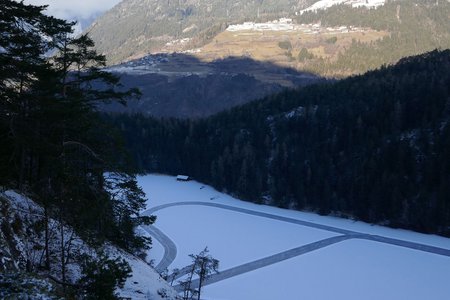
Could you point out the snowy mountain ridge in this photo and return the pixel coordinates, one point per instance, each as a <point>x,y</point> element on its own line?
<point>324,4</point>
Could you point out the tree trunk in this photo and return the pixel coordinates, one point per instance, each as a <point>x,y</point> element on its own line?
<point>47,238</point>
<point>63,259</point>
<point>187,289</point>
<point>201,278</point>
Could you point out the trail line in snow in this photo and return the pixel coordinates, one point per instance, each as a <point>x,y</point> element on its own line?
<point>269,260</point>
<point>170,250</point>
<point>251,212</point>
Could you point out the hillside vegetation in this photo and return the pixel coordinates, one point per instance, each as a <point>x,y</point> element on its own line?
<point>397,29</point>
<point>305,47</point>
<point>56,150</point>
<point>184,87</point>
<point>136,27</point>
<point>231,67</point>
<point>414,26</point>
<point>374,147</point>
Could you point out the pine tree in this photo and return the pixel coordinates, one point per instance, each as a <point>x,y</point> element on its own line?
<point>57,147</point>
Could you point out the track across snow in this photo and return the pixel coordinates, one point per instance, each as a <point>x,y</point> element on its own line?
<point>170,250</point>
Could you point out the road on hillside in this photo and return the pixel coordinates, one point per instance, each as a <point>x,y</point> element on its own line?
<point>170,249</point>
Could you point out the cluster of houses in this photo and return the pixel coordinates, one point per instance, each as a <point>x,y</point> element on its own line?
<point>178,42</point>
<point>148,60</point>
<point>146,64</point>
<point>285,24</point>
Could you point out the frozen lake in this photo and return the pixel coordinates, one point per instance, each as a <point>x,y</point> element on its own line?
<point>271,253</point>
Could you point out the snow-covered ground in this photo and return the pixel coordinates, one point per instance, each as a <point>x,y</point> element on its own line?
<point>252,237</point>
<point>144,283</point>
<point>351,269</point>
<point>324,4</point>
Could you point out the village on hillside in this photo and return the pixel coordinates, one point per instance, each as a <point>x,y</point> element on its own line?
<point>286,24</point>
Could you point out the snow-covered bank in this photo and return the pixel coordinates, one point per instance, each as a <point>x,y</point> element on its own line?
<point>348,269</point>
<point>22,244</point>
<point>144,283</point>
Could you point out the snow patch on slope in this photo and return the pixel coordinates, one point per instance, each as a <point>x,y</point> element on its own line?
<point>324,4</point>
<point>144,282</point>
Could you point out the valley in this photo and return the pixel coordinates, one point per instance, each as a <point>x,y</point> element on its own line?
<point>178,65</point>
<point>245,62</point>
<point>197,70</point>
<point>183,86</point>
<point>315,133</point>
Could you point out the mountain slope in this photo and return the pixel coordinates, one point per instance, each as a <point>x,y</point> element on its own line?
<point>414,27</point>
<point>336,42</point>
<point>22,240</point>
<point>182,86</point>
<point>136,27</point>
<point>405,27</point>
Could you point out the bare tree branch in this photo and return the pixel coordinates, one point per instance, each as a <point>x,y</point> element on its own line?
<point>84,147</point>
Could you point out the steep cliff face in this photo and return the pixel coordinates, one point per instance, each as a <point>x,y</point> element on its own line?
<point>135,27</point>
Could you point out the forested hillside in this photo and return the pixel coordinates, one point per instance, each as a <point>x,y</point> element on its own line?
<point>56,150</point>
<point>176,91</point>
<point>414,26</point>
<point>374,147</point>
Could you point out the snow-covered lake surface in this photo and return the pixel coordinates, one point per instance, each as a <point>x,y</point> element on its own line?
<point>350,269</point>
<point>233,238</point>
